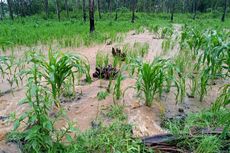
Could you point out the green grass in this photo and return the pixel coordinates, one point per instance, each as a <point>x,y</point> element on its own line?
<point>34,30</point>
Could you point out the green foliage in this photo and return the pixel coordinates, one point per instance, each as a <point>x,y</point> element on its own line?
<point>197,121</point>
<point>208,144</point>
<point>223,100</point>
<point>114,138</point>
<point>210,54</point>
<point>117,86</point>
<point>117,112</point>
<point>39,135</point>
<point>102,60</point>
<point>155,77</point>
<point>10,70</point>
<point>57,69</point>
<point>102,95</point>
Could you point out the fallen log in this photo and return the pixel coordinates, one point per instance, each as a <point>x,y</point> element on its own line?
<point>168,142</point>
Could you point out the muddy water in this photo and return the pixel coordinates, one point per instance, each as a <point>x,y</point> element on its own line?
<point>145,120</point>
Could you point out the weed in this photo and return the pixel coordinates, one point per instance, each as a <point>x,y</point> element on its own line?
<point>116,112</point>
<point>102,95</point>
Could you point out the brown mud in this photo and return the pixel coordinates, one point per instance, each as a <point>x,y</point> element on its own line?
<point>145,120</point>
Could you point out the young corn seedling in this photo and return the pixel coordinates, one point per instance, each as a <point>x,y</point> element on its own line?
<point>117,87</point>
<point>57,69</point>
<point>39,134</point>
<point>158,76</point>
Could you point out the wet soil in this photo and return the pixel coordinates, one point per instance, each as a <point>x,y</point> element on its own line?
<point>145,120</point>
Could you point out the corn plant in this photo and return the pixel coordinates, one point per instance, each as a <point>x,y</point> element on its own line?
<point>102,60</point>
<point>117,87</point>
<point>166,32</point>
<point>223,100</point>
<point>156,77</point>
<point>10,70</point>
<point>57,68</point>
<point>39,134</point>
<point>210,52</point>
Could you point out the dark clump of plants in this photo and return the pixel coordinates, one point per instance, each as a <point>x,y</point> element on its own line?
<point>117,53</point>
<point>107,72</point>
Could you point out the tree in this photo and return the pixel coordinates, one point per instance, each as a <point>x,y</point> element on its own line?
<point>99,8</point>
<point>194,6</point>
<point>58,10</point>
<point>172,3</point>
<point>46,4</point>
<point>110,7</point>
<point>84,10</point>
<point>2,10</point>
<point>225,11</point>
<point>116,9</point>
<point>91,15</point>
<point>67,8</point>
<point>133,10</point>
<point>10,7</point>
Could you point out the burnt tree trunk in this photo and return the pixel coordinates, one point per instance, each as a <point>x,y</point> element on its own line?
<point>67,8</point>
<point>99,8</point>
<point>225,11</point>
<point>46,4</point>
<point>2,10</point>
<point>58,10</point>
<point>110,7</point>
<point>91,15</point>
<point>116,10</point>
<point>84,10</point>
<point>172,9</point>
<point>133,10</point>
<point>23,8</point>
<point>194,9</point>
<point>10,7</point>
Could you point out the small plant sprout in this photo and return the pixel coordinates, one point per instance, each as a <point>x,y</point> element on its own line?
<point>102,95</point>
<point>117,87</point>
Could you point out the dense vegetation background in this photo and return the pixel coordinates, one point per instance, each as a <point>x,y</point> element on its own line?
<point>78,8</point>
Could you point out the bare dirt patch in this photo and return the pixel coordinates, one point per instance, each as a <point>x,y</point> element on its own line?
<point>145,120</point>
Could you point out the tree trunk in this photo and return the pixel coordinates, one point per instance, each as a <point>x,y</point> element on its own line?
<point>110,7</point>
<point>10,7</point>
<point>84,10</point>
<point>116,10</point>
<point>225,11</point>
<point>23,8</point>
<point>67,8</point>
<point>194,9</point>
<point>99,8</point>
<point>133,10</point>
<point>172,9</point>
<point>58,10</point>
<point>2,10</point>
<point>91,15</point>
<point>46,4</point>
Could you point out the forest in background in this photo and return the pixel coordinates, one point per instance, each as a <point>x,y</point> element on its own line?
<point>79,8</point>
